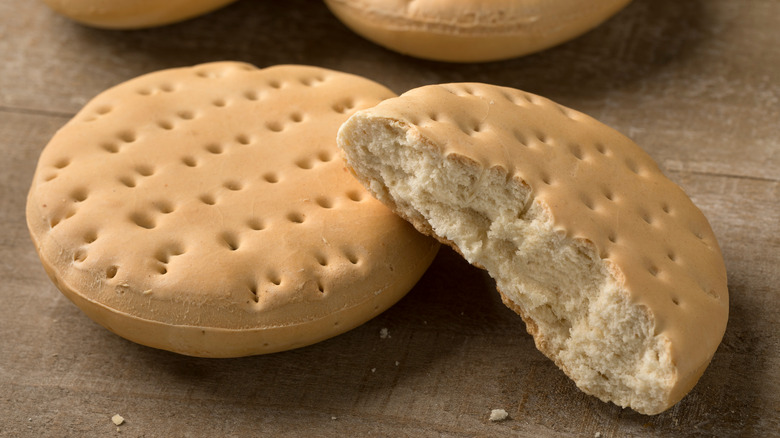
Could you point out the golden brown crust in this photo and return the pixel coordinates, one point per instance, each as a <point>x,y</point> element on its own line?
<point>204,210</point>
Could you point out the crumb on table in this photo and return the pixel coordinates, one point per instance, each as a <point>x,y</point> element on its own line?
<point>498,415</point>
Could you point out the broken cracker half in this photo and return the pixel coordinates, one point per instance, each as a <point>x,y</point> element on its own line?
<point>616,273</point>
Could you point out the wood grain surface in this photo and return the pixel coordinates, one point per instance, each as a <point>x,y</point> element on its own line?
<point>696,83</point>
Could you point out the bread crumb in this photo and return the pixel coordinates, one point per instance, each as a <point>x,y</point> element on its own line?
<point>383,333</point>
<point>334,418</point>
<point>498,415</point>
<point>373,370</point>
<point>397,363</point>
<point>597,435</point>
<point>118,419</point>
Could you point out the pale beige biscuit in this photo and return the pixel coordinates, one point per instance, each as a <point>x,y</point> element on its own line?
<point>133,14</point>
<point>472,30</point>
<point>206,211</point>
<point>615,271</point>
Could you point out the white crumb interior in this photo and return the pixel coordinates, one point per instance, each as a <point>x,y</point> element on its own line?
<point>585,322</point>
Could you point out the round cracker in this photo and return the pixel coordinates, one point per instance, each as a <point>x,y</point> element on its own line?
<point>617,274</point>
<point>133,14</point>
<point>471,30</point>
<point>206,211</point>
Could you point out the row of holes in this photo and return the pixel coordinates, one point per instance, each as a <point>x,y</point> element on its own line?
<point>251,95</point>
<point>185,115</point>
<point>574,149</point>
<point>128,136</point>
<point>163,257</point>
<point>165,87</point>
<point>243,139</point>
<point>272,277</point>
<point>233,243</point>
<point>276,84</point>
<point>519,99</point>
<point>189,161</point>
<point>211,74</point>
<point>271,177</point>
<point>610,196</point>
<point>144,220</point>
<point>340,107</point>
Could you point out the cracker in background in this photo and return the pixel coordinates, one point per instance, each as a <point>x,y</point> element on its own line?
<point>471,30</point>
<point>133,14</point>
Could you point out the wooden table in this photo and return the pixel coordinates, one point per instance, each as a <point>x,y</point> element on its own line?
<point>696,83</point>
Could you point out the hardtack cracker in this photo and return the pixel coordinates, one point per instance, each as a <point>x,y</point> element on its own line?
<point>206,211</point>
<point>615,271</point>
<point>471,30</point>
<point>133,14</point>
